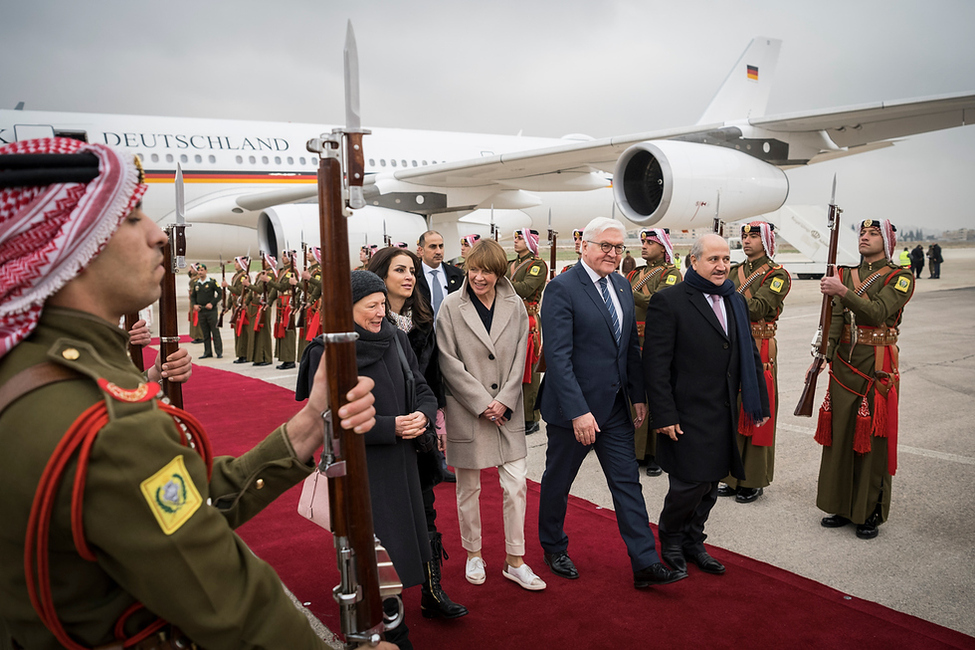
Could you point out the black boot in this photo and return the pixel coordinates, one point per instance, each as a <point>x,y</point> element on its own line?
<point>433,601</point>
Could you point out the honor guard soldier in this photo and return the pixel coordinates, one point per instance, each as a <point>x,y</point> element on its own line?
<point>658,273</point>
<point>285,336</point>
<point>577,239</point>
<point>858,420</point>
<point>133,553</point>
<point>239,316</point>
<point>528,274</point>
<point>466,244</point>
<point>311,280</point>
<point>205,297</point>
<point>764,284</point>
<point>365,255</point>
<point>196,330</point>
<point>261,297</point>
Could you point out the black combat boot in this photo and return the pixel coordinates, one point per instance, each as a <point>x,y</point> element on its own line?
<point>433,601</point>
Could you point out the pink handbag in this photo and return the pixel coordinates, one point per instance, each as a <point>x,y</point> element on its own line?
<point>313,502</point>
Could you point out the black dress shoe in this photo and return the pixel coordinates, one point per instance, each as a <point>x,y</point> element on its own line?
<point>287,365</point>
<point>204,356</point>
<point>197,341</point>
<point>727,491</point>
<point>240,360</point>
<point>747,495</point>
<point>656,574</point>
<point>530,428</point>
<point>447,476</point>
<point>653,469</point>
<point>868,529</point>
<point>561,565</point>
<point>705,562</point>
<point>834,521</point>
<point>220,356</point>
<point>674,557</point>
<point>262,363</point>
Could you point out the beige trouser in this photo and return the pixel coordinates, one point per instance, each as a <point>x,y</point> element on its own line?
<point>512,479</point>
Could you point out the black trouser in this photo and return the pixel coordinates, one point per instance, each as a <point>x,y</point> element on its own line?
<point>208,324</point>
<point>686,509</point>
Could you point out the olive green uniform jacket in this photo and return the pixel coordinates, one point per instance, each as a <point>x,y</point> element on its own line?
<point>768,285</point>
<point>852,484</point>
<point>285,347</point>
<point>661,275</point>
<point>528,275</point>
<point>242,341</point>
<point>200,577</point>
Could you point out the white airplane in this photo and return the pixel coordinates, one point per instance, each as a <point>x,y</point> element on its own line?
<point>251,185</point>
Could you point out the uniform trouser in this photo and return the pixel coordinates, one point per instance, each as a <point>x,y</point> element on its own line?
<point>514,486</point>
<point>208,324</point>
<point>530,393</point>
<point>614,449</point>
<point>285,347</point>
<point>261,346</point>
<point>686,509</point>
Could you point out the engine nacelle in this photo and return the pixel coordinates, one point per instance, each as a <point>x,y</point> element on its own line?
<point>685,181</point>
<point>285,227</point>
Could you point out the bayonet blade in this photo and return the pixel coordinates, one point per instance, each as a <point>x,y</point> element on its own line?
<point>832,199</point>
<point>353,121</point>
<point>180,198</point>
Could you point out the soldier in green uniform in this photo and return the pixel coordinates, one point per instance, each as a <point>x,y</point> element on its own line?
<point>286,288</point>
<point>659,272</point>
<point>205,297</point>
<point>261,297</point>
<point>98,257</point>
<point>311,287</point>
<point>196,329</point>
<point>858,420</point>
<point>577,239</point>
<point>764,284</point>
<point>243,328</point>
<point>466,243</point>
<point>528,274</point>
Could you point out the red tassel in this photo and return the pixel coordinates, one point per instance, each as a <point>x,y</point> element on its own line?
<point>861,436</point>
<point>879,415</point>
<point>746,426</point>
<point>824,427</point>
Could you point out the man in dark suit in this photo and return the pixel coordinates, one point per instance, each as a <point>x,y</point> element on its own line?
<point>696,358</point>
<point>594,374</point>
<point>441,278</point>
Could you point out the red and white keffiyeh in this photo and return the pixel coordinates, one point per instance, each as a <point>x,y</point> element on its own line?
<point>50,233</point>
<point>887,230</point>
<point>272,265</point>
<point>470,240</point>
<point>531,238</point>
<point>767,231</point>
<point>316,252</point>
<point>660,236</point>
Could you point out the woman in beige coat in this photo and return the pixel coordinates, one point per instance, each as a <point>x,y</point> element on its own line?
<point>482,333</point>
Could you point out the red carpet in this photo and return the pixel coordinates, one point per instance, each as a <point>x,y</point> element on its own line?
<point>601,609</point>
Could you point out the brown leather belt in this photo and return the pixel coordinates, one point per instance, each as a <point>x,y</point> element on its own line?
<point>641,328</point>
<point>875,336</point>
<point>763,330</point>
<point>531,307</point>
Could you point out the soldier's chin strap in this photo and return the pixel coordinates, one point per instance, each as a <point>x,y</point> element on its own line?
<point>79,440</point>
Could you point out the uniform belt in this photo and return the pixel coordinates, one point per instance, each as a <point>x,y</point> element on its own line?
<point>764,330</point>
<point>875,336</point>
<point>641,328</point>
<point>531,307</point>
<point>168,638</point>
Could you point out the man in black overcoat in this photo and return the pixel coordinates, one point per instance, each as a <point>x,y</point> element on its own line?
<point>696,358</point>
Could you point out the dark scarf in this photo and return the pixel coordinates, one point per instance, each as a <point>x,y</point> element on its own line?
<point>371,346</point>
<point>751,400</point>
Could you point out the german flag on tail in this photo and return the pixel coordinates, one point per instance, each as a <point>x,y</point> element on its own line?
<point>752,72</point>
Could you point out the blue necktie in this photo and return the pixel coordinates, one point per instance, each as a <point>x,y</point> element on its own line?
<point>437,292</point>
<point>612,310</point>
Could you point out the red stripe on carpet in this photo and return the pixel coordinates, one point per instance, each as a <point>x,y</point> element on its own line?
<point>754,605</point>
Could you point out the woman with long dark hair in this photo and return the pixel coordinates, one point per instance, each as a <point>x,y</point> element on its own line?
<point>409,310</point>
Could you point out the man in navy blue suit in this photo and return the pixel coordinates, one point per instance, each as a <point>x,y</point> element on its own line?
<point>593,356</point>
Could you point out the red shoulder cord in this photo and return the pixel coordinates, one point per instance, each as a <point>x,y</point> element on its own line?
<point>82,434</point>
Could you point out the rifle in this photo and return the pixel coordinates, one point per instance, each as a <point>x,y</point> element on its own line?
<point>223,292</point>
<point>303,301</point>
<point>716,224</point>
<point>552,238</point>
<point>175,260</point>
<point>293,302</point>
<point>820,341</point>
<point>135,351</point>
<point>494,229</point>
<point>363,587</point>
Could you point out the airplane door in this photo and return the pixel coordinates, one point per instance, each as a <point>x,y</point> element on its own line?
<point>33,131</point>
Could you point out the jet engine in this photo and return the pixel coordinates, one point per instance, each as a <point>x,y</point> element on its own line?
<point>690,184</point>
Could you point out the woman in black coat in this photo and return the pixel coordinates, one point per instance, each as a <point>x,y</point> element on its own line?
<point>409,310</point>
<point>394,483</point>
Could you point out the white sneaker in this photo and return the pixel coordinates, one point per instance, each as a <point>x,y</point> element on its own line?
<point>524,576</point>
<point>475,571</point>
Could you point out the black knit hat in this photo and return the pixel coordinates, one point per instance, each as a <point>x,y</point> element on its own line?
<point>365,283</point>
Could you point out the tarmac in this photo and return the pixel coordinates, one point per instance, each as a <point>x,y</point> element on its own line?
<point>923,561</point>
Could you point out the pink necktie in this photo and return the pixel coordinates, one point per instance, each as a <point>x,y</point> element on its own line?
<point>715,305</point>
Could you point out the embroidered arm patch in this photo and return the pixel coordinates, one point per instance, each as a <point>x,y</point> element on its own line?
<point>671,280</point>
<point>535,270</point>
<point>171,495</point>
<point>903,284</point>
<point>777,285</point>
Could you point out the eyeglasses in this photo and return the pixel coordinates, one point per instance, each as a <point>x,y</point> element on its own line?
<point>605,247</point>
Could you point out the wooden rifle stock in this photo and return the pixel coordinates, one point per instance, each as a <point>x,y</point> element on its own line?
<point>820,342</point>
<point>223,292</point>
<point>168,322</point>
<point>553,239</point>
<point>135,351</point>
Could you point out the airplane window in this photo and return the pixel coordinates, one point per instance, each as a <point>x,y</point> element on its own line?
<point>198,158</point>
<point>291,160</point>
<point>372,162</point>
<point>404,163</point>
<point>263,160</point>
<point>414,163</point>
<point>155,157</point>
<point>169,157</point>
<point>252,160</point>
<point>424,163</point>
<point>212,158</point>
<point>140,157</point>
<point>240,160</point>
<point>382,162</point>
<point>302,160</point>
<point>392,162</point>
<point>277,160</point>
<point>183,158</point>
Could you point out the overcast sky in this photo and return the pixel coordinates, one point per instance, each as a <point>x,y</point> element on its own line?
<point>543,68</point>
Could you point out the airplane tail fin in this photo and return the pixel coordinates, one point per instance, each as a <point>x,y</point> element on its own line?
<point>745,91</point>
